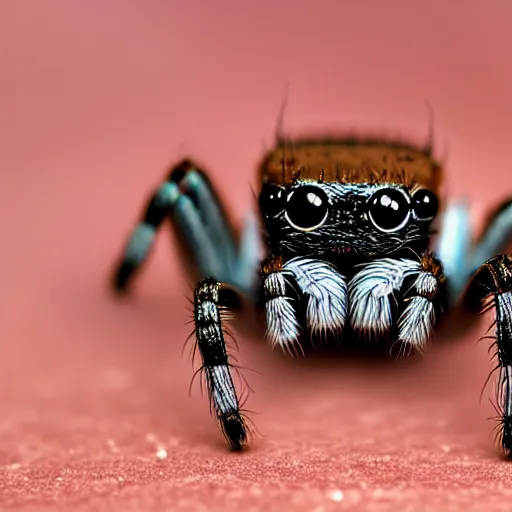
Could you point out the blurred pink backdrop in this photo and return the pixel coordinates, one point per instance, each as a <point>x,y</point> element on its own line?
<point>97,99</point>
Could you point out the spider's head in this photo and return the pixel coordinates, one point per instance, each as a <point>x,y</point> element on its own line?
<point>367,199</point>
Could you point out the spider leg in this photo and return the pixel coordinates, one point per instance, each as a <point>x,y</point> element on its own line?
<point>496,238</point>
<point>188,199</point>
<point>493,286</point>
<point>209,298</point>
<point>421,304</point>
<point>453,248</point>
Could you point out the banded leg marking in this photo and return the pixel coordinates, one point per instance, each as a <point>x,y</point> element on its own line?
<point>493,283</point>
<point>189,201</point>
<point>215,363</point>
<point>143,235</point>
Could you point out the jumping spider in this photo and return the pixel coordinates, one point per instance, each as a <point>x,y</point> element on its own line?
<point>348,231</point>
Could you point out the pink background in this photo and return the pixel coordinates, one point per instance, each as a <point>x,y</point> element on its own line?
<point>96,100</point>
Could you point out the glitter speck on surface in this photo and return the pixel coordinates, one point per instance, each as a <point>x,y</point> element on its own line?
<point>336,495</point>
<point>161,454</point>
<point>112,445</point>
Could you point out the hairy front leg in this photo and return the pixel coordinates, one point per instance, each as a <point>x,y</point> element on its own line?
<point>209,298</point>
<point>493,286</point>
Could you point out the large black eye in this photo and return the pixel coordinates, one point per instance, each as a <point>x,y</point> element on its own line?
<point>307,207</point>
<point>272,200</point>
<point>425,204</point>
<point>389,209</point>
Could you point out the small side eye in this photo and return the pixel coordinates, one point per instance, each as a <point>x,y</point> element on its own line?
<point>272,200</point>
<point>389,209</point>
<point>425,204</point>
<point>307,207</point>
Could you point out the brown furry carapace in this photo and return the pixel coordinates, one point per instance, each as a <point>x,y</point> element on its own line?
<point>351,161</point>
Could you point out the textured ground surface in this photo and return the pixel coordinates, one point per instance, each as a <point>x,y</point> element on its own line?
<point>104,426</point>
<point>95,101</point>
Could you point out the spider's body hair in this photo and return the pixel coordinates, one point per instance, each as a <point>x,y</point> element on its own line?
<point>350,160</point>
<point>372,294</point>
<point>325,290</point>
<point>368,305</point>
<point>282,326</point>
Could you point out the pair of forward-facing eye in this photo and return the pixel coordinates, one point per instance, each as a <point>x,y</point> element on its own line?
<point>307,206</point>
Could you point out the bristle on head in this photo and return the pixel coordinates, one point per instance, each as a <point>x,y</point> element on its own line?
<point>352,161</point>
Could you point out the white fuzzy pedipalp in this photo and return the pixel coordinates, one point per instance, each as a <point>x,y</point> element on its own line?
<point>326,289</point>
<point>416,323</point>
<point>370,293</point>
<point>282,326</point>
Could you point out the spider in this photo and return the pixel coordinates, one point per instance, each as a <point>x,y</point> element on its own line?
<point>348,228</point>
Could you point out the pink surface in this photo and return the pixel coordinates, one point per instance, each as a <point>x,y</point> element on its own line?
<point>96,100</point>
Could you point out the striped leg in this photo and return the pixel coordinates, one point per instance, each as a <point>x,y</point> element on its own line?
<point>187,198</point>
<point>493,283</point>
<point>208,304</point>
